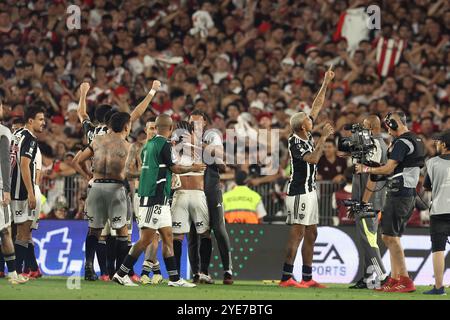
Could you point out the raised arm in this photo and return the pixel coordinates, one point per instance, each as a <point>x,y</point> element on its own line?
<point>314,157</point>
<point>320,98</point>
<point>82,113</point>
<point>141,107</point>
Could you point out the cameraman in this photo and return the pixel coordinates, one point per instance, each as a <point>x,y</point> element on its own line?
<point>406,156</point>
<point>374,193</point>
<point>438,182</point>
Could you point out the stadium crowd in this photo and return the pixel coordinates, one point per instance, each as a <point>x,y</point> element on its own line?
<point>248,64</point>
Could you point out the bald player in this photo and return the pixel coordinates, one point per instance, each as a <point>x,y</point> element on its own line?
<point>302,202</point>
<point>134,165</point>
<point>373,270</point>
<point>155,184</point>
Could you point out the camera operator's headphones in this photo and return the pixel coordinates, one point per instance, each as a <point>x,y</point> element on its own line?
<point>392,123</point>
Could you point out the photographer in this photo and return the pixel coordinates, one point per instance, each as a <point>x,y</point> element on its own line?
<point>405,158</point>
<point>374,193</point>
<point>437,181</point>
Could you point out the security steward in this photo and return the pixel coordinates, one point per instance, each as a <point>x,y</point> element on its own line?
<point>242,204</point>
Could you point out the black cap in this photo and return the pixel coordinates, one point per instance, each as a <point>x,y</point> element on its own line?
<point>444,137</point>
<point>23,83</point>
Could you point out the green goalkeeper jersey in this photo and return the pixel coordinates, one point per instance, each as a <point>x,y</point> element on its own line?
<point>156,178</point>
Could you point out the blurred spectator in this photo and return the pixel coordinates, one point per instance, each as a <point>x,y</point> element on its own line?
<point>330,166</point>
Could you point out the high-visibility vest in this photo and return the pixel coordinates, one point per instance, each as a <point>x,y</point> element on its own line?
<point>240,205</point>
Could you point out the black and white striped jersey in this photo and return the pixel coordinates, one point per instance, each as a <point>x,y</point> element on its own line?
<point>91,131</point>
<point>23,144</point>
<point>303,174</point>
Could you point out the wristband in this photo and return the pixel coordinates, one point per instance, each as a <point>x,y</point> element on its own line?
<point>152,92</point>
<point>366,169</point>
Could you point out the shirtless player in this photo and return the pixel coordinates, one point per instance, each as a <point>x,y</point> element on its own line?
<point>154,211</point>
<point>189,201</point>
<point>107,198</point>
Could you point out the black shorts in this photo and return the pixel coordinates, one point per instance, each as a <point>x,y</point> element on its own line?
<point>396,214</point>
<point>439,231</point>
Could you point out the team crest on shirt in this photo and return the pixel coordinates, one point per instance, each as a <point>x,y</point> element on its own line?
<point>301,149</point>
<point>301,216</point>
<point>154,220</point>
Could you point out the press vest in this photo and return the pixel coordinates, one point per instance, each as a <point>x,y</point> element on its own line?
<point>407,171</point>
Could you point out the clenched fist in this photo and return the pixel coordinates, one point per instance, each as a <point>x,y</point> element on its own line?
<point>329,75</point>
<point>156,85</point>
<point>327,130</point>
<point>84,87</point>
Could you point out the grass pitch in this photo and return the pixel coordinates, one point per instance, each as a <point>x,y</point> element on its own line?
<point>57,288</point>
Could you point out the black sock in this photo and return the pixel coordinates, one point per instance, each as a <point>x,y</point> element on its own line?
<point>111,255</point>
<point>306,273</point>
<point>156,268</point>
<point>287,272</point>
<point>101,256</point>
<point>177,250</point>
<point>2,262</point>
<point>21,249</point>
<point>10,260</point>
<point>193,250</point>
<point>91,245</point>
<point>127,264</point>
<point>220,232</point>
<point>172,268</point>
<point>205,254</point>
<point>132,269</point>
<point>121,250</point>
<point>30,262</point>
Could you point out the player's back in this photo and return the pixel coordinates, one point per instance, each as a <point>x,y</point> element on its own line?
<point>156,178</point>
<point>110,155</point>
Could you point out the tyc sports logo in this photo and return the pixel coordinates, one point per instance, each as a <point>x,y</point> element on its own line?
<point>335,257</point>
<point>53,252</point>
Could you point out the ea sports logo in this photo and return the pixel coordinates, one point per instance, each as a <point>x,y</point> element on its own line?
<point>335,257</point>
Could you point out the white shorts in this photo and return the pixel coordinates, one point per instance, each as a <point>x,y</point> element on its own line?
<point>37,192</point>
<point>21,211</point>
<point>188,206</point>
<point>303,209</point>
<point>155,217</point>
<point>107,230</point>
<point>5,214</point>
